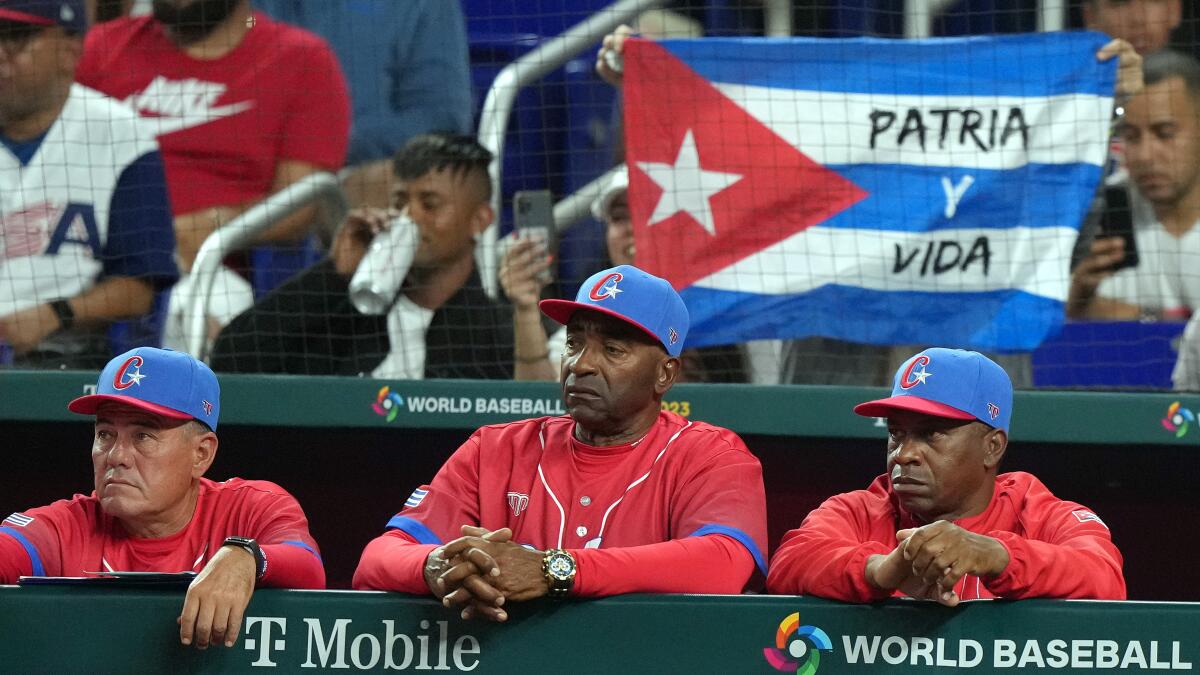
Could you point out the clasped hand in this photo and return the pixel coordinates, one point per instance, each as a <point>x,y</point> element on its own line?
<point>929,561</point>
<point>482,571</point>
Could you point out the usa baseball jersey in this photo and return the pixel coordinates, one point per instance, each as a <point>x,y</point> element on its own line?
<point>225,124</point>
<point>74,537</point>
<point>1057,549</point>
<point>86,200</point>
<point>682,479</point>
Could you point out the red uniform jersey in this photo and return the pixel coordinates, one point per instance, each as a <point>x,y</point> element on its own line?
<point>225,124</point>
<point>681,480</point>
<point>1056,548</point>
<point>74,537</point>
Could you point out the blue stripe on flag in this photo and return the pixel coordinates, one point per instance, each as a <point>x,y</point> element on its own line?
<point>1004,320</point>
<point>908,198</point>
<point>415,529</point>
<point>741,537</point>
<point>981,66</point>
<point>34,558</point>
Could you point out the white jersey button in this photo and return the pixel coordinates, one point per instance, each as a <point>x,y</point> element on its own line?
<point>585,501</point>
<point>581,531</point>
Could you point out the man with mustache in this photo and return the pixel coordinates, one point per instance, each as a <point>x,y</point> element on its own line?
<point>242,106</point>
<point>1161,137</point>
<point>616,497</point>
<point>941,524</point>
<point>153,511</point>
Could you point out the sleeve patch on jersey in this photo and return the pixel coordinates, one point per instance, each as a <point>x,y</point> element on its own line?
<point>1083,515</point>
<point>415,498</point>
<point>17,520</point>
<point>738,536</point>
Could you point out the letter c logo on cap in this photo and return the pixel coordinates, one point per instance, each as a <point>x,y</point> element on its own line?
<point>606,287</point>
<point>910,379</point>
<point>120,381</point>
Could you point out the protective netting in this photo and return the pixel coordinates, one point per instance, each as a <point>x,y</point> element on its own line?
<point>968,174</point>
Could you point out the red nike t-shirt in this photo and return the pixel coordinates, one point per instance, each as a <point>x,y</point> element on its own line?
<point>225,124</point>
<point>74,537</point>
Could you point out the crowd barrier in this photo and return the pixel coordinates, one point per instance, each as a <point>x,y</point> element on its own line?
<point>352,449</point>
<point>75,629</point>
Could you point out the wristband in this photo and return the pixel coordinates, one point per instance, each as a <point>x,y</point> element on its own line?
<point>66,315</point>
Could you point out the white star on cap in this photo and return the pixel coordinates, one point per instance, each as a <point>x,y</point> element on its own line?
<point>921,376</point>
<point>687,186</point>
<point>135,377</point>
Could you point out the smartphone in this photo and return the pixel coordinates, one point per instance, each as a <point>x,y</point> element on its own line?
<point>533,218</point>
<point>1117,221</point>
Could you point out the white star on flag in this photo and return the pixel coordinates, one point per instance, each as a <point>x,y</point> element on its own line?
<point>687,186</point>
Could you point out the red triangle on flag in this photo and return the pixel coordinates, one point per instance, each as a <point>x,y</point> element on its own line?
<point>760,189</point>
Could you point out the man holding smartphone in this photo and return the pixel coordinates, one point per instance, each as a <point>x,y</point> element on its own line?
<point>1161,134</point>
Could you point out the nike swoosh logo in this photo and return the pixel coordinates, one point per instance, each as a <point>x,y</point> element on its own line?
<point>160,126</point>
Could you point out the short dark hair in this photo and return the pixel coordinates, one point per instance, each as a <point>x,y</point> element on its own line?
<point>1165,64</point>
<point>437,151</point>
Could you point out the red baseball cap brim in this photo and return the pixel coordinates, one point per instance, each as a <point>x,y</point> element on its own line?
<point>884,406</point>
<point>562,311</point>
<point>88,405</point>
<point>25,17</point>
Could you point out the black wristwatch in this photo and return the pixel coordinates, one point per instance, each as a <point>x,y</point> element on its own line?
<point>559,568</point>
<point>251,547</point>
<point>64,313</point>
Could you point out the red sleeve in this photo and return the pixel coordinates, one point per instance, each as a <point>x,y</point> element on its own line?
<point>722,493</point>
<point>14,559</point>
<point>1068,554</point>
<point>393,561</point>
<point>434,513</point>
<point>708,564</point>
<point>280,528</point>
<point>36,541</point>
<point>317,128</point>
<point>827,555</point>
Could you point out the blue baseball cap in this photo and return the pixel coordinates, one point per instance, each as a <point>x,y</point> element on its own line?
<point>161,381</point>
<point>949,383</point>
<point>634,296</point>
<point>70,14</point>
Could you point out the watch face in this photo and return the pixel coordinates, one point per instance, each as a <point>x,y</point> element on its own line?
<point>561,566</point>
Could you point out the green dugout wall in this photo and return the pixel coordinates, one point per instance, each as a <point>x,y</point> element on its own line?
<point>352,451</point>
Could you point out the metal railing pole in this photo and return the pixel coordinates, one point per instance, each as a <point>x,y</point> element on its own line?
<point>497,107</point>
<point>242,231</point>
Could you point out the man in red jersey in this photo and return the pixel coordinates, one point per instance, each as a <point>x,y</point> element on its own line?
<point>152,511</point>
<point>616,497</point>
<point>242,105</point>
<point>940,524</point>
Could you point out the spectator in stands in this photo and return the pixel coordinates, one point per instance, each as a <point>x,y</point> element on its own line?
<point>940,524</point>
<point>242,106</point>
<point>619,497</point>
<point>1161,135</point>
<point>153,511</point>
<point>85,222</point>
<point>407,66</point>
<point>309,325</point>
<point>1145,24</point>
<point>537,356</point>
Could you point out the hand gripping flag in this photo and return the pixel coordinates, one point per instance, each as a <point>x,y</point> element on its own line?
<point>878,191</point>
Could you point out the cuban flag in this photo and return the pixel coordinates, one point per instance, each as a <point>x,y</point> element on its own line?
<point>877,191</point>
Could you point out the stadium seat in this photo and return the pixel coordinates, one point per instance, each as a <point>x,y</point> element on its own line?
<point>1123,354</point>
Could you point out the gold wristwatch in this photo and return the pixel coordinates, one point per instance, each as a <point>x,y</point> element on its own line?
<point>559,568</point>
